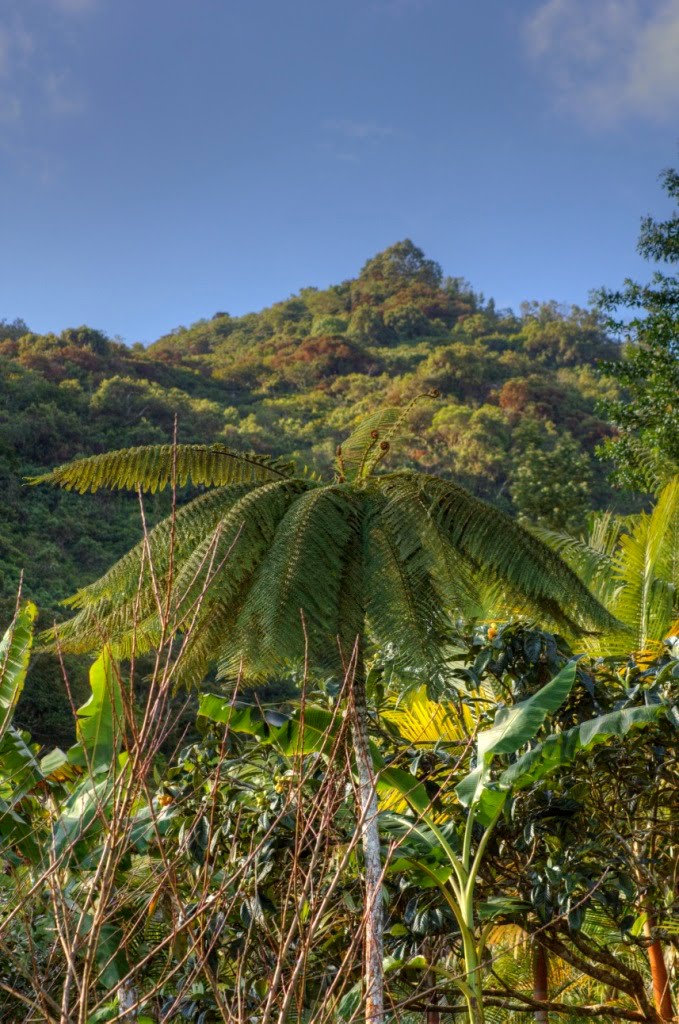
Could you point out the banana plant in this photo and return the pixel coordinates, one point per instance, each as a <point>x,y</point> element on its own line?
<point>55,810</point>
<point>19,768</point>
<point>452,860</point>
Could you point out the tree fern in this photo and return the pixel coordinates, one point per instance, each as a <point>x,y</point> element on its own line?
<point>394,555</point>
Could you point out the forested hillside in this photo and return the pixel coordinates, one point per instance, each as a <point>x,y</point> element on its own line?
<point>515,420</point>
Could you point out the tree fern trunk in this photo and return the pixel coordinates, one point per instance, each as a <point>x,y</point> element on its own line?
<point>374,916</point>
<point>540,978</point>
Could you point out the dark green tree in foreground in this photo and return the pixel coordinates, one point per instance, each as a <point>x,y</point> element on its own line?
<point>646,448</point>
<point>268,569</point>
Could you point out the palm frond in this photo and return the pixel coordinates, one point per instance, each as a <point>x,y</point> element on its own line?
<point>425,722</point>
<point>667,566</point>
<point>604,530</point>
<point>645,565</point>
<point>152,468</point>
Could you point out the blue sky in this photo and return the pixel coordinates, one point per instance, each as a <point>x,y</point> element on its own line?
<point>164,159</point>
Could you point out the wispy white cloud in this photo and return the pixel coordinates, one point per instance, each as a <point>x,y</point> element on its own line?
<point>75,6</point>
<point>28,88</point>
<point>36,84</point>
<point>609,59</point>
<point>61,95</point>
<point>16,44</point>
<point>396,8</point>
<point>363,131</point>
<point>348,139</point>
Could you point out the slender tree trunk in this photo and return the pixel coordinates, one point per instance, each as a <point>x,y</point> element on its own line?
<point>540,978</point>
<point>127,999</point>
<point>662,994</point>
<point>374,915</point>
<point>432,1014</point>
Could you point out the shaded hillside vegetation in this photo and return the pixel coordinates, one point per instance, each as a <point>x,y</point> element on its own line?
<point>515,421</point>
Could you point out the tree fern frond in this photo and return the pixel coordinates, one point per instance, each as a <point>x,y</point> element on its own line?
<point>592,566</point>
<point>105,623</point>
<point>405,609</point>
<point>125,597</point>
<point>507,552</point>
<point>152,468</point>
<point>245,534</point>
<point>192,523</point>
<point>207,568</point>
<point>212,584</point>
<point>203,643</point>
<point>301,575</point>
<point>408,509</point>
<point>362,446</point>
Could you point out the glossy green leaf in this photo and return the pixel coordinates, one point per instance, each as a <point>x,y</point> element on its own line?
<point>312,730</point>
<point>562,748</point>
<point>513,728</point>
<point>20,770</point>
<point>517,725</point>
<point>15,649</point>
<point>406,785</point>
<point>99,726</point>
<point>247,720</point>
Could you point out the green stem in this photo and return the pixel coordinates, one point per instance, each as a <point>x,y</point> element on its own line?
<point>467,841</point>
<point>472,952</point>
<point>482,848</point>
<point>456,864</point>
